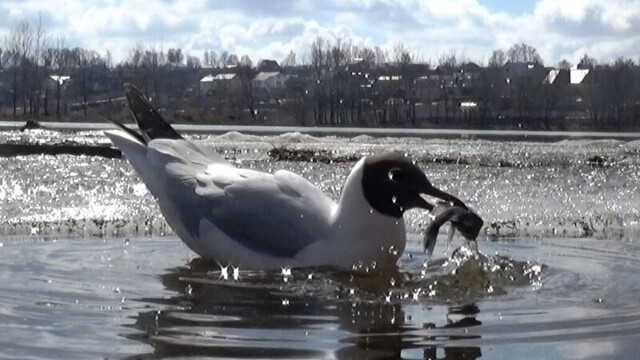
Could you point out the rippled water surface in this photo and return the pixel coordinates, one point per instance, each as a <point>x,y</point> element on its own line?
<point>89,269</point>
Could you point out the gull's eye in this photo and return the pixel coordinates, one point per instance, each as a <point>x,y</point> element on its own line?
<point>396,175</point>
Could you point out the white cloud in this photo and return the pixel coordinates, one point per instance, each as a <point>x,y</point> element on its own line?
<point>604,29</point>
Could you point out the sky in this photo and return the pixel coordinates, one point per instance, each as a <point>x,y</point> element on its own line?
<point>270,29</point>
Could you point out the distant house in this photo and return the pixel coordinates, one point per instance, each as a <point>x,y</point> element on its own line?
<point>428,88</point>
<point>467,74</point>
<point>358,66</point>
<point>266,65</point>
<point>577,76</point>
<point>211,83</point>
<point>269,86</point>
<point>515,70</point>
<point>270,80</point>
<point>573,76</point>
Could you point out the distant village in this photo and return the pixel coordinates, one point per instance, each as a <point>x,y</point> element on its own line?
<point>336,85</point>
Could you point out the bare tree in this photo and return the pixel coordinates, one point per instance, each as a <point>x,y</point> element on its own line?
<point>233,60</point>
<point>587,62</point>
<point>245,60</point>
<point>402,56</point>
<point>620,87</point>
<point>486,91</point>
<point>134,62</point>
<point>19,43</point>
<point>368,55</point>
<point>210,58</point>
<point>81,61</point>
<point>289,60</point>
<point>523,53</point>
<point>498,59</point>
<point>175,57</point>
<point>59,65</point>
<point>40,66</point>
<point>223,59</point>
<point>154,62</point>
<point>244,92</point>
<point>12,56</point>
<point>449,60</point>
<point>193,62</point>
<point>564,64</point>
<point>320,65</point>
<point>381,56</point>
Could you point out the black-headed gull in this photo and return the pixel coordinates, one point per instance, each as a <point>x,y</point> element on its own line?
<point>257,220</point>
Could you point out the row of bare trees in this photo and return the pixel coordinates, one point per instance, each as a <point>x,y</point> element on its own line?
<point>331,88</point>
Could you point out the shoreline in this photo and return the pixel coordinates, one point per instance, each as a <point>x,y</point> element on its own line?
<point>267,130</point>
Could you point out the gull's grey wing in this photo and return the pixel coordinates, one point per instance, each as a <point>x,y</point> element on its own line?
<point>267,214</point>
<point>186,152</point>
<point>277,214</point>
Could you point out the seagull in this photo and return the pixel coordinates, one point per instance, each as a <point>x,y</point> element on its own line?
<point>264,221</point>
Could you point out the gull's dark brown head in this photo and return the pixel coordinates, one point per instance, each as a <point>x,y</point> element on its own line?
<point>392,184</point>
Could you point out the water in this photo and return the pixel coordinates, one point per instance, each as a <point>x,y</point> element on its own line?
<point>91,270</point>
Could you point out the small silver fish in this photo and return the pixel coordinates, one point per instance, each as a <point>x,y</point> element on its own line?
<point>467,222</point>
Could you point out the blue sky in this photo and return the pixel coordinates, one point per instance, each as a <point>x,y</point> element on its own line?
<point>472,29</point>
<point>512,7</point>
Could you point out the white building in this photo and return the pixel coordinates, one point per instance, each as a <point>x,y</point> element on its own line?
<point>270,80</point>
<point>215,82</point>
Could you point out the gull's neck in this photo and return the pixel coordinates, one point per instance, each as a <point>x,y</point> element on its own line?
<point>362,229</point>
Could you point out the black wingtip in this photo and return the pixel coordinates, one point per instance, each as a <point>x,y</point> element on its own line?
<point>150,122</point>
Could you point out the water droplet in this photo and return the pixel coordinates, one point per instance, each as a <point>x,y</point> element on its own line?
<point>394,199</point>
<point>224,272</point>
<point>286,271</point>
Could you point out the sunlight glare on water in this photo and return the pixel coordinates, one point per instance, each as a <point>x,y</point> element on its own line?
<point>89,273</point>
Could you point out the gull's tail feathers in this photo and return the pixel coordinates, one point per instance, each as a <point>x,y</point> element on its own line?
<point>149,121</point>
<point>139,148</point>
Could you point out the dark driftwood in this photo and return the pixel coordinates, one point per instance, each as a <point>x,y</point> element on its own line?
<point>8,150</point>
<point>307,155</point>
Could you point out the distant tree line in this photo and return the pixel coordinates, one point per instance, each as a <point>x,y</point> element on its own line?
<point>336,83</point>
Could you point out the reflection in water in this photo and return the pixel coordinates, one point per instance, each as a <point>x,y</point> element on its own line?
<point>307,315</point>
<point>68,299</point>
